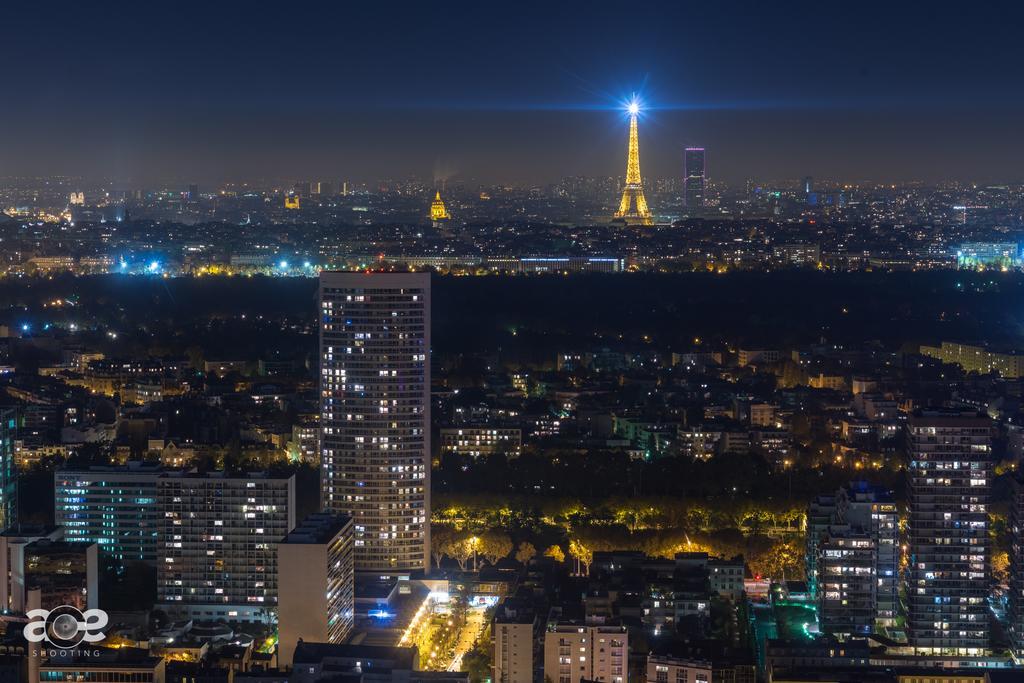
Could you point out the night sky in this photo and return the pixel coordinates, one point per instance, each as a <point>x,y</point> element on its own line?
<point>511,91</point>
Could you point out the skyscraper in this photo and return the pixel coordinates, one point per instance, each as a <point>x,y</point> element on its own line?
<point>949,485</point>
<point>1015,606</point>
<point>694,177</point>
<point>872,509</point>
<point>375,414</point>
<point>852,559</point>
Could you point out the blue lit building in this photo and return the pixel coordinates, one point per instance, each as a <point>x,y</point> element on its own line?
<point>988,255</point>
<point>8,473</point>
<point>114,507</point>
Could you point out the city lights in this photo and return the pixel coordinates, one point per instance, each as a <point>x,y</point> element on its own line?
<point>342,346</point>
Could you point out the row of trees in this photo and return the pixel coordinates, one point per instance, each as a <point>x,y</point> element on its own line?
<point>469,511</point>
<point>780,558</point>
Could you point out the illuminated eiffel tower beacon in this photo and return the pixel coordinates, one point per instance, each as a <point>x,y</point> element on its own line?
<point>633,207</point>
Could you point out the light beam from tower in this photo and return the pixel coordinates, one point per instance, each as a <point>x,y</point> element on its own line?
<point>633,207</point>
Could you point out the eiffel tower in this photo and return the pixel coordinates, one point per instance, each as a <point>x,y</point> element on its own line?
<point>633,207</point>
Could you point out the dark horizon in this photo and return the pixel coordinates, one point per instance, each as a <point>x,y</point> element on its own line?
<point>216,94</point>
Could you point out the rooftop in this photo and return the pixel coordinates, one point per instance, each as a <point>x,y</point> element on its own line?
<point>318,527</point>
<point>313,653</point>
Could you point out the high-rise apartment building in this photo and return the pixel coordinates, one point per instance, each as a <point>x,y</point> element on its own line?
<point>375,414</point>
<point>1015,606</point>
<point>853,559</point>
<point>114,507</point>
<point>8,471</point>
<point>694,177</point>
<point>316,584</point>
<point>846,587</point>
<point>949,486</point>
<point>217,554</point>
<point>872,510</point>
<point>820,516</point>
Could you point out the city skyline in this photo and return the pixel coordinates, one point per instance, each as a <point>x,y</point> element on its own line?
<point>338,343</point>
<point>216,95</point>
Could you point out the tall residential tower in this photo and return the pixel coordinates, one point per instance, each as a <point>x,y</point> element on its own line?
<point>949,485</point>
<point>375,414</point>
<point>8,471</point>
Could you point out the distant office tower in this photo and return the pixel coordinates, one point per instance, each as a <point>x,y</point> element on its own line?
<point>8,471</point>
<point>114,507</point>
<point>950,484</point>
<point>694,177</point>
<point>303,189</point>
<point>193,192</point>
<point>316,586</point>
<point>375,413</point>
<point>218,544</point>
